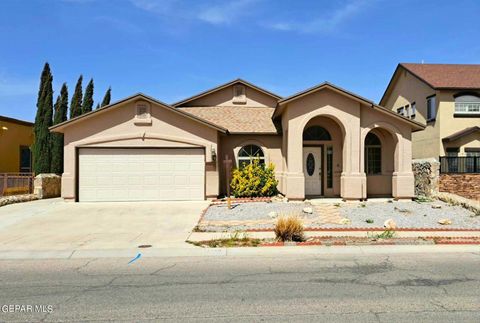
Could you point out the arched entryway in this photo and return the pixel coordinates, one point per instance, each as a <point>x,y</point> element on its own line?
<point>322,157</point>
<point>379,162</point>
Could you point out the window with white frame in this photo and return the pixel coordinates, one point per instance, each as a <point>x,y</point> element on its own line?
<point>407,111</point>
<point>248,153</point>
<point>239,96</point>
<point>413,110</point>
<point>467,104</point>
<point>401,110</point>
<point>431,108</point>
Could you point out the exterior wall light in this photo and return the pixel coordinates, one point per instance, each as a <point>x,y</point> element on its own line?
<point>214,154</point>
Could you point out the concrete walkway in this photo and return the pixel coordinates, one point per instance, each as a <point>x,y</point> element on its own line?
<point>64,226</point>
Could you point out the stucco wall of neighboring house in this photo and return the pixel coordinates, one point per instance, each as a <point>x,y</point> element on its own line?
<point>11,139</point>
<point>115,127</point>
<point>452,124</point>
<point>224,97</point>
<point>270,144</point>
<point>407,89</point>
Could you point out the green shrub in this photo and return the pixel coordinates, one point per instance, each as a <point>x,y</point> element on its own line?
<point>254,180</point>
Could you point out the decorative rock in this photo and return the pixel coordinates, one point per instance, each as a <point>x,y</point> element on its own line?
<point>445,221</point>
<point>17,199</point>
<point>390,224</point>
<point>308,210</point>
<point>273,215</point>
<point>401,210</point>
<point>345,221</point>
<point>436,206</point>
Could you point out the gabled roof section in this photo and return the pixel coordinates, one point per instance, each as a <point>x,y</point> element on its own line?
<point>327,85</point>
<point>223,86</point>
<point>440,76</point>
<point>461,133</point>
<point>132,98</point>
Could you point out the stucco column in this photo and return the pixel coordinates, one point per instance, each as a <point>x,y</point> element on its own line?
<point>403,180</point>
<point>353,182</point>
<point>294,179</point>
<point>68,176</point>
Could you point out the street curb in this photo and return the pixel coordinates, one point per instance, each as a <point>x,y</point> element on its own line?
<point>245,251</point>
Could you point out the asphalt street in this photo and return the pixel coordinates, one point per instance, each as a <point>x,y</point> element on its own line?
<point>334,288</point>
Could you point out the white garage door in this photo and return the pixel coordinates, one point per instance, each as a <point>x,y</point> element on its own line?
<point>130,174</point>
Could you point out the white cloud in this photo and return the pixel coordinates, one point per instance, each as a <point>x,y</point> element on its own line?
<point>211,12</point>
<point>326,23</point>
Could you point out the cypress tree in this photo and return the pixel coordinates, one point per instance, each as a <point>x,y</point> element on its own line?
<point>98,106</point>
<point>43,120</point>
<point>88,98</point>
<point>76,105</point>
<point>61,108</point>
<point>107,97</point>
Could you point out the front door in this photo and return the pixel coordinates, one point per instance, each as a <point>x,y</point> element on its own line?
<point>312,169</point>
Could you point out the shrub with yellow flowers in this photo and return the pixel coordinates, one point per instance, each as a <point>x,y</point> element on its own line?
<point>254,180</point>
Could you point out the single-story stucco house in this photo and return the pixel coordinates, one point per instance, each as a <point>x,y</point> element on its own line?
<point>324,142</point>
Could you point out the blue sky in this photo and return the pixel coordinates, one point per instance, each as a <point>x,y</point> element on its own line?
<point>172,49</point>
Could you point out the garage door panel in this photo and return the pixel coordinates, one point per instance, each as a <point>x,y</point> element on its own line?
<point>141,174</point>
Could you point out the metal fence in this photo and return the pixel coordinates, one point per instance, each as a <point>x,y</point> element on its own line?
<point>16,183</point>
<point>460,165</point>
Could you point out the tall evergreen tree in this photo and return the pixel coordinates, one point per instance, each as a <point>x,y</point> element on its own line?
<point>107,97</point>
<point>61,109</point>
<point>76,104</point>
<point>98,106</point>
<point>43,120</point>
<point>88,98</point>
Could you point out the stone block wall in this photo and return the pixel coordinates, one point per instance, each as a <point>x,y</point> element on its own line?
<point>426,172</point>
<point>47,186</point>
<point>466,185</point>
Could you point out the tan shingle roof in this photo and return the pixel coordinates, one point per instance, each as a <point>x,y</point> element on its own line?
<point>461,133</point>
<point>237,119</point>
<point>461,76</point>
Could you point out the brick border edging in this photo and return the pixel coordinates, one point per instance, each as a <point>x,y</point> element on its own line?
<point>375,229</point>
<point>242,200</point>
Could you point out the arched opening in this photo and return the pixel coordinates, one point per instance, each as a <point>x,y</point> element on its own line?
<point>379,162</point>
<point>322,156</point>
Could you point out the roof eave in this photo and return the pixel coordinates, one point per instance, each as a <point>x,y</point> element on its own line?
<point>60,126</point>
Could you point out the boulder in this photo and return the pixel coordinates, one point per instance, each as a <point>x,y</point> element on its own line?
<point>445,221</point>
<point>308,210</point>
<point>390,224</point>
<point>273,215</point>
<point>436,206</point>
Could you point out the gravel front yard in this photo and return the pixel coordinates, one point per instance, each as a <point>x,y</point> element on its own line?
<point>258,215</point>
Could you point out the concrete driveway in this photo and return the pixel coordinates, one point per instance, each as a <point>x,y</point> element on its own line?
<point>57,225</point>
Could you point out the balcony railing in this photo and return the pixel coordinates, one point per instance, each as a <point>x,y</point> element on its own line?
<point>460,165</point>
<point>467,107</point>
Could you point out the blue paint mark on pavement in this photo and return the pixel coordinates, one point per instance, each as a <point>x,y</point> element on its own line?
<point>136,258</point>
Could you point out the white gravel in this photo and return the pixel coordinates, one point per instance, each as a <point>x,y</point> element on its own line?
<point>405,214</point>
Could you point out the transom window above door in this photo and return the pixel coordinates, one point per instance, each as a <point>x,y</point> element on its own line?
<point>248,153</point>
<point>316,133</point>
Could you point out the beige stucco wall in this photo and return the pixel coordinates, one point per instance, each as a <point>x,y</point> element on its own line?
<point>355,120</point>
<point>116,127</point>
<point>407,89</point>
<point>270,144</point>
<point>224,97</point>
<point>11,139</point>
<point>451,124</point>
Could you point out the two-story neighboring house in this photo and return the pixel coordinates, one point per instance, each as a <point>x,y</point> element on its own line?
<point>445,97</point>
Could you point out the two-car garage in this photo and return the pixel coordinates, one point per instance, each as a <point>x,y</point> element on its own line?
<point>141,174</point>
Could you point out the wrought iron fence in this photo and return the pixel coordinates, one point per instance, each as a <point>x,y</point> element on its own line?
<point>460,164</point>
<point>16,183</point>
